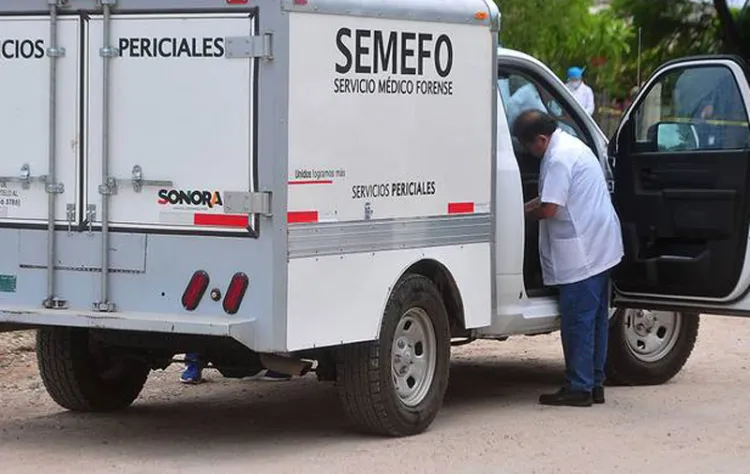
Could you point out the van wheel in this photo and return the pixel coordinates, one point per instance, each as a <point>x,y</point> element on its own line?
<point>86,377</point>
<point>649,347</point>
<point>395,386</point>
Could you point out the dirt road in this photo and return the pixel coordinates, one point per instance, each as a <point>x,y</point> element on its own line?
<point>490,423</point>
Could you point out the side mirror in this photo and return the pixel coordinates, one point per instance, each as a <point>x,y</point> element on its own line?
<point>676,136</point>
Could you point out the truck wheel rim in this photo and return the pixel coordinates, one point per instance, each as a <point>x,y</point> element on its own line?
<point>651,335</point>
<point>414,357</point>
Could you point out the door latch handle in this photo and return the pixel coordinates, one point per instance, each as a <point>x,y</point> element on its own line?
<point>25,178</point>
<point>70,211</point>
<point>91,217</point>
<point>136,180</point>
<point>139,182</point>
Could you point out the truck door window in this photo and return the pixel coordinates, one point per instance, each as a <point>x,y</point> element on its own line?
<point>520,93</point>
<point>699,108</point>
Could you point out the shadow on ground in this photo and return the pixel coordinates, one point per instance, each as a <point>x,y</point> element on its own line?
<point>254,415</point>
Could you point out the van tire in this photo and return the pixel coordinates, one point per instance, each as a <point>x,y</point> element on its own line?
<point>82,377</point>
<point>367,372</point>
<point>626,367</point>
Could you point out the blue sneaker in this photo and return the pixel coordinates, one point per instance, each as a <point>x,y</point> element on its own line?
<point>193,372</point>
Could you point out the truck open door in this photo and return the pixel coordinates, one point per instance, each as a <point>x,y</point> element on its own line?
<point>682,190</point>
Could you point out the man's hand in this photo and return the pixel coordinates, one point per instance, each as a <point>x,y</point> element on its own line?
<point>531,205</point>
<point>538,210</point>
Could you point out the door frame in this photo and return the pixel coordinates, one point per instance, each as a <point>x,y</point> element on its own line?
<point>741,71</point>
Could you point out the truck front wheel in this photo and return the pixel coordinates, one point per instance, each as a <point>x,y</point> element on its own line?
<point>395,386</point>
<point>649,347</point>
<point>83,376</point>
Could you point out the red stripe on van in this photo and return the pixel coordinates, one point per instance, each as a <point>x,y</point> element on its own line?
<point>461,208</point>
<point>302,217</point>
<point>308,182</point>
<point>221,220</point>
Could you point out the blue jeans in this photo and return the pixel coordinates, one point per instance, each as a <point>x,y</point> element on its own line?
<point>585,329</point>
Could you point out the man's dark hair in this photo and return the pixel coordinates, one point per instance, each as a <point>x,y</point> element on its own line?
<point>532,123</point>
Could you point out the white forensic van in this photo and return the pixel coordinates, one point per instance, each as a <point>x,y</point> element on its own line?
<point>331,184</point>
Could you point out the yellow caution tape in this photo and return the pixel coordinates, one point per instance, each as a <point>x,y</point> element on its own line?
<point>730,123</point>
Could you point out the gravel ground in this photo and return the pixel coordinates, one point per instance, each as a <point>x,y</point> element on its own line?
<point>490,422</point>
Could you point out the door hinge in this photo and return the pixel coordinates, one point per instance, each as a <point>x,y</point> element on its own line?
<point>58,52</point>
<point>248,47</point>
<point>242,202</point>
<point>54,188</point>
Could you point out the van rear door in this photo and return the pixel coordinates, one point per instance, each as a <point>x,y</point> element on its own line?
<point>682,189</point>
<point>25,120</point>
<point>181,121</point>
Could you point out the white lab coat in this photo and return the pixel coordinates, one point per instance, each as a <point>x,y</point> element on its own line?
<point>585,96</point>
<point>584,238</point>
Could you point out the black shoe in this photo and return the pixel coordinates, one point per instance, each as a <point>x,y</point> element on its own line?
<point>598,395</point>
<point>565,397</point>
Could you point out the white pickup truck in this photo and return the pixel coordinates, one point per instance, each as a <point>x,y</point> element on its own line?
<point>278,183</point>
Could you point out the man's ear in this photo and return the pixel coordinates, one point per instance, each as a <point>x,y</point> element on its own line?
<point>545,140</point>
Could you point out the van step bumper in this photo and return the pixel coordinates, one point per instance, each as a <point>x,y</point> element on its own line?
<point>237,328</point>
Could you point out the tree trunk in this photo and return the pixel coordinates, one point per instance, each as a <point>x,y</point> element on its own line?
<point>730,33</point>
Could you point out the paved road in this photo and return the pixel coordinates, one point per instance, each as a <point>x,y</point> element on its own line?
<point>490,424</point>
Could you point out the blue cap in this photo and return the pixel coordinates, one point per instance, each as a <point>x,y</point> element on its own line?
<point>575,73</point>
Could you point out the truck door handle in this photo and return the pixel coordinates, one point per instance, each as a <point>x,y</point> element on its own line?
<point>648,174</point>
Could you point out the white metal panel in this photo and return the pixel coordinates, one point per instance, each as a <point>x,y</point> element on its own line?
<point>182,111</point>
<point>341,299</point>
<point>510,235</point>
<point>418,136</point>
<point>24,115</point>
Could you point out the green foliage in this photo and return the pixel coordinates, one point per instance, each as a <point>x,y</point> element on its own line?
<point>670,29</point>
<point>563,33</point>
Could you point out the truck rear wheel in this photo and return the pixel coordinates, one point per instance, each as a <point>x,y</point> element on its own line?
<point>86,377</point>
<point>396,386</point>
<point>649,347</point>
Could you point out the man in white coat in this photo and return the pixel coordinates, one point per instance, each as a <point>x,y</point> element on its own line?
<point>580,242</point>
<point>581,91</point>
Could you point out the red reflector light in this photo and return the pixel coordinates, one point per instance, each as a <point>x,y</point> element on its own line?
<point>195,290</point>
<point>235,293</point>
<point>461,208</point>
<point>237,2</point>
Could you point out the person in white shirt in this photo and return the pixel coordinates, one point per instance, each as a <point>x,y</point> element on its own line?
<point>580,241</point>
<point>581,91</point>
<point>525,98</point>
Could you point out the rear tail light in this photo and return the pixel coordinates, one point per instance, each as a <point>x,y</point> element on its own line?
<point>195,290</point>
<point>235,293</point>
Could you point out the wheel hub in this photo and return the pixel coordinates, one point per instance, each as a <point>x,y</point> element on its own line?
<point>644,323</point>
<point>414,357</point>
<point>404,358</point>
<point>651,335</point>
